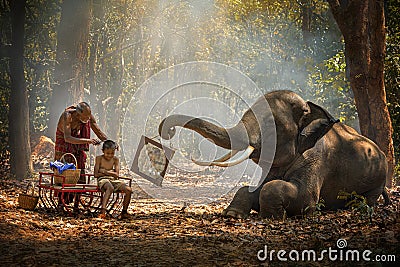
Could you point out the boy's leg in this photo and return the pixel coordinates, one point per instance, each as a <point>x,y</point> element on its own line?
<point>127,198</point>
<point>77,196</point>
<point>106,197</point>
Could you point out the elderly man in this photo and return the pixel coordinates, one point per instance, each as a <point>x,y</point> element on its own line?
<point>73,133</point>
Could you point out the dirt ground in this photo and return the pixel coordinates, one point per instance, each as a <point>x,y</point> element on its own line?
<point>162,234</point>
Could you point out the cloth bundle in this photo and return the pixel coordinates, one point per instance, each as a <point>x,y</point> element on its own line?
<point>62,166</point>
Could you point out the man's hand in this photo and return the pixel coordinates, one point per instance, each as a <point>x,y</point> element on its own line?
<point>94,141</point>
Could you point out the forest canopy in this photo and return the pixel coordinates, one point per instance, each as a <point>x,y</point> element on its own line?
<point>293,45</point>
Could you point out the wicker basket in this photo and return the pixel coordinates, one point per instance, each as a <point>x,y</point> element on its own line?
<point>71,176</point>
<point>28,201</point>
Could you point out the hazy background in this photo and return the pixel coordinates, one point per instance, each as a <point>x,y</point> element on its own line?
<point>130,41</point>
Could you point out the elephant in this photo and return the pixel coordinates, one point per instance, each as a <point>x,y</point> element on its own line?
<point>315,157</point>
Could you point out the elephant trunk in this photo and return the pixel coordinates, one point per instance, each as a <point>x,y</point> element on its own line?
<point>235,138</point>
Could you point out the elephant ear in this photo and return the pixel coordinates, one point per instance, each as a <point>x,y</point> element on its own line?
<point>318,123</point>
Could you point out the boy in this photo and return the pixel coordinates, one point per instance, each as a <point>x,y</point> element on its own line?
<point>106,170</point>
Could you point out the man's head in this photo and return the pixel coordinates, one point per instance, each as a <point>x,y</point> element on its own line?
<point>84,112</point>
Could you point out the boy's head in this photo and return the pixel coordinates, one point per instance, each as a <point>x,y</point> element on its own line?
<point>109,148</point>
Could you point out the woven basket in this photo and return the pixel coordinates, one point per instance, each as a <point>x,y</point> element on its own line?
<point>71,176</point>
<point>28,201</point>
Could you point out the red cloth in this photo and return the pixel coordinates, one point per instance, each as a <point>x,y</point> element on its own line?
<point>77,149</point>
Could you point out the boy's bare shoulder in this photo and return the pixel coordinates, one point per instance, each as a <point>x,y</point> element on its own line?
<point>116,158</point>
<point>98,157</point>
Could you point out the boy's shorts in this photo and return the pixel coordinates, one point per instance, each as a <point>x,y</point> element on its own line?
<point>117,184</point>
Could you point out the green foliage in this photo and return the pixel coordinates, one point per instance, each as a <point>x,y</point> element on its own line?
<point>396,174</point>
<point>357,203</point>
<point>132,40</point>
<point>4,96</point>
<point>40,44</point>
<point>264,40</point>
<point>319,206</point>
<point>40,58</point>
<point>5,35</point>
<point>392,73</point>
<point>332,90</point>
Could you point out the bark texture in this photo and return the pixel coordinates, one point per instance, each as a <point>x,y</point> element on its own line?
<point>20,151</point>
<point>362,24</point>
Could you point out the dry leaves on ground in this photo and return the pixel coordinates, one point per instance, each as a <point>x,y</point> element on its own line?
<point>161,234</point>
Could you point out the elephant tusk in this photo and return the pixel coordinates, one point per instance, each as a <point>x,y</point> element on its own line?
<point>246,154</point>
<point>221,159</point>
<point>227,156</point>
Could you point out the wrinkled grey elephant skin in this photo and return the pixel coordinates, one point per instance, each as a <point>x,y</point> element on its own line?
<point>316,157</point>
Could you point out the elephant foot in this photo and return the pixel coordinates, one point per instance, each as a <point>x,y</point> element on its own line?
<point>386,197</point>
<point>242,203</point>
<point>279,199</point>
<point>234,213</point>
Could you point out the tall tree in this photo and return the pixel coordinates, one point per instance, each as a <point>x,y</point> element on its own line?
<point>306,14</point>
<point>20,151</point>
<point>72,53</point>
<point>95,50</point>
<point>392,69</point>
<point>362,24</point>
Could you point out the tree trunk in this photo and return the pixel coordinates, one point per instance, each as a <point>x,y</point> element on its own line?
<point>306,15</point>
<point>116,130</point>
<point>95,87</point>
<point>72,53</point>
<point>362,24</point>
<point>18,133</point>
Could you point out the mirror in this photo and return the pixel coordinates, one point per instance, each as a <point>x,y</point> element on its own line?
<point>151,160</point>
